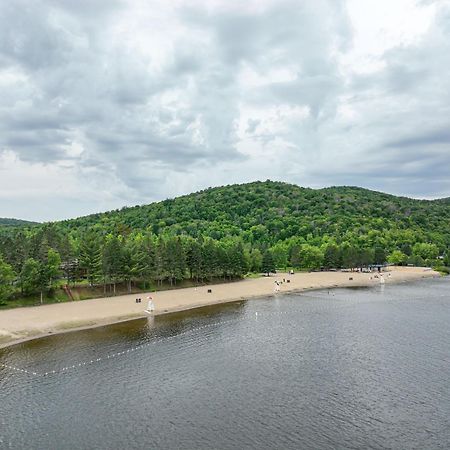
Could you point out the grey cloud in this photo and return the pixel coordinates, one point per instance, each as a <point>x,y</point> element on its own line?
<point>313,91</point>
<point>93,9</point>
<point>252,124</point>
<point>439,136</point>
<point>289,34</point>
<point>28,38</point>
<point>403,117</point>
<point>140,121</point>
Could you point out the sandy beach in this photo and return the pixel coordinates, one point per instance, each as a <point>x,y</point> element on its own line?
<point>20,324</point>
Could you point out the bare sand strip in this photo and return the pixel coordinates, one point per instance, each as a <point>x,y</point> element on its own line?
<point>21,324</point>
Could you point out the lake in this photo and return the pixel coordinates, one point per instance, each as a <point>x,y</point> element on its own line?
<point>343,368</point>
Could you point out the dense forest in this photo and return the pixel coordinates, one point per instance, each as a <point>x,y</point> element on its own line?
<point>224,232</point>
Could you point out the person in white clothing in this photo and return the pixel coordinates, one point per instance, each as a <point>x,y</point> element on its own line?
<point>150,305</point>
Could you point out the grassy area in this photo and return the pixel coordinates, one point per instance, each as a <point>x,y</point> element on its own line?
<point>443,270</point>
<point>59,297</point>
<point>253,275</point>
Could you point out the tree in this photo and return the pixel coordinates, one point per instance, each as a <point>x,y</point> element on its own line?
<point>112,260</point>
<point>52,267</point>
<point>268,264</point>
<point>311,257</point>
<point>210,256</point>
<point>91,256</point>
<point>425,251</point>
<point>280,253</point>
<point>379,255</point>
<point>349,256</point>
<point>7,276</point>
<point>33,277</point>
<point>255,260</point>
<point>238,263</point>
<point>332,257</point>
<point>397,257</point>
<point>194,260</point>
<point>175,259</point>
<point>161,264</point>
<point>364,257</point>
<point>144,254</point>
<point>295,258</point>
<point>447,258</point>
<point>129,269</point>
<point>416,261</point>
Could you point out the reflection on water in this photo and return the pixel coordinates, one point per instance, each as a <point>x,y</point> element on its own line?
<point>327,369</point>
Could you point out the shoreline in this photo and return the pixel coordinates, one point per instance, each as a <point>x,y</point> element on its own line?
<point>29,323</point>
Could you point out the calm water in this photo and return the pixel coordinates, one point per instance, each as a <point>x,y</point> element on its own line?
<point>360,368</point>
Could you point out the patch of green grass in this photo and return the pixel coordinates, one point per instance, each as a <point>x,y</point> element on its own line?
<point>253,275</point>
<point>58,296</point>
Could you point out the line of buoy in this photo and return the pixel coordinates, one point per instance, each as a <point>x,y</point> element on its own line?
<point>113,355</point>
<point>124,352</point>
<point>166,338</point>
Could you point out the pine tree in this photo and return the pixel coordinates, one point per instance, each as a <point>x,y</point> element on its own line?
<point>194,260</point>
<point>295,258</point>
<point>268,264</point>
<point>380,255</point>
<point>238,263</point>
<point>144,257</point>
<point>332,257</point>
<point>112,260</point>
<point>91,256</point>
<point>210,258</point>
<point>161,263</point>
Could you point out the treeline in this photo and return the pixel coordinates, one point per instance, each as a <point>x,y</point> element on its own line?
<point>34,262</point>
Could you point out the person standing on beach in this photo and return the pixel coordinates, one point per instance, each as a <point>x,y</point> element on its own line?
<point>150,305</point>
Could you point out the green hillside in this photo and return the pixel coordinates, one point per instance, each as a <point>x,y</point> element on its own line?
<point>226,232</point>
<point>267,212</point>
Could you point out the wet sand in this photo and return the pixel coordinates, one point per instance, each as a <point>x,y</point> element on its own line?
<point>20,324</point>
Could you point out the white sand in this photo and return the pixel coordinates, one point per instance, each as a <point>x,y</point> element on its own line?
<point>21,324</point>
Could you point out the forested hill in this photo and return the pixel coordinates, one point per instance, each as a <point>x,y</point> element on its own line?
<point>267,212</point>
<point>225,232</point>
<point>5,222</point>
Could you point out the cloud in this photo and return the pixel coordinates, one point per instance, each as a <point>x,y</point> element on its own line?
<point>135,101</point>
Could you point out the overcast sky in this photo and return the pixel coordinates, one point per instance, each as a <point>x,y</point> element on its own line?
<point>106,103</point>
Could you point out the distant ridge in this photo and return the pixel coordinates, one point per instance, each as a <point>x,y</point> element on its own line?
<point>290,196</point>
<point>268,183</point>
<point>270,211</point>
<point>7,222</point>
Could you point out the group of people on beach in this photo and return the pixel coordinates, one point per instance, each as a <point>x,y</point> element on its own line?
<point>279,283</point>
